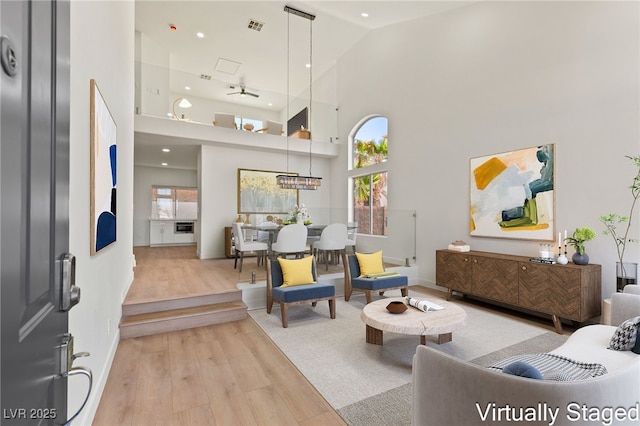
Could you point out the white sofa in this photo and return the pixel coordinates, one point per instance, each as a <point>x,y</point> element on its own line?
<point>450,391</point>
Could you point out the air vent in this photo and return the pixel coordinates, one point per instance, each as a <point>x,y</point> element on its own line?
<point>205,77</point>
<point>255,25</point>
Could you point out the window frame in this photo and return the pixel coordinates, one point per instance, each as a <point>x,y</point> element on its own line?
<point>369,170</point>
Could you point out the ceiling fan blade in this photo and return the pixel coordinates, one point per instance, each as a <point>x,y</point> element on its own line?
<point>234,93</point>
<point>252,94</point>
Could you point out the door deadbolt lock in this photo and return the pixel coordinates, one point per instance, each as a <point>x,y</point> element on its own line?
<point>8,57</point>
<point>70,293</point>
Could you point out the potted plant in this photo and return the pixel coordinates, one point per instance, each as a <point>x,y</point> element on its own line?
<point>626,272</point>
<point>577,240</point>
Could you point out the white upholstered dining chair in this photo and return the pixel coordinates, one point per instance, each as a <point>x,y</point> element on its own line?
<point>243,246</point>
<point>292,239</point>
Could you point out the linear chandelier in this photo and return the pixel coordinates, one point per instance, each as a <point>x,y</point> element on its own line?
<point>291,181</point>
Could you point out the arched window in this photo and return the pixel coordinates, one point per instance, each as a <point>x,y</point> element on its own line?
<point>368,179</point>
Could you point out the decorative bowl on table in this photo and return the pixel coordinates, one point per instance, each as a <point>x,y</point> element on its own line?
<point>396,307</point>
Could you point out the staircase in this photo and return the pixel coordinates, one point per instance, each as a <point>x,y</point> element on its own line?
<point>160,316</point>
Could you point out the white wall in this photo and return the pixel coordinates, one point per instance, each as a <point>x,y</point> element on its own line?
<point>493,77</point>
<point>144,178</point>
<point>218,188</point>
<point>102,48</point>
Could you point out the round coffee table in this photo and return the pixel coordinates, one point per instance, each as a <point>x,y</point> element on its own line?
<point>412,321</point>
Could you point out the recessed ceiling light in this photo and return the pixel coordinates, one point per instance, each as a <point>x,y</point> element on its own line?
<point>364,14</point>
<point>166,150</point>
<point>200,35</point>
<point>164,164</point>
<point>187,88</point>
<point>169,114</point>
<point>308,65</point>
<point>270,104</point>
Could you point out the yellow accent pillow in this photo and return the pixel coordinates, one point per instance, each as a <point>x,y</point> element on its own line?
<point>370,263</point>
<point>297,272</point>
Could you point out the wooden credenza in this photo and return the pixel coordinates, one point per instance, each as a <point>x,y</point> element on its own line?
<point>567,291</point>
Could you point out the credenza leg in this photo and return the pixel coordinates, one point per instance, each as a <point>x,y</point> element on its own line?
<point>557,324</point>
<point>449,293</point>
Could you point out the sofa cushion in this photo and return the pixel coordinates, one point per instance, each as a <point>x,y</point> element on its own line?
<point>299,293</point>
<point>370,263</point>
<point>590,344</point>
<point>522,369</point>
<point>624,338</point>
<point>380,283</point>
<point>297,272</point>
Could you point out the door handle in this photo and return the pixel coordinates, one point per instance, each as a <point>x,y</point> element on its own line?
<point>89,375</point>
<point>70,293</point>
<point>67,357</point>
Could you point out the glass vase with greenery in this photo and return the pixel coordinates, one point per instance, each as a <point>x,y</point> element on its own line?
<point>612,221</point>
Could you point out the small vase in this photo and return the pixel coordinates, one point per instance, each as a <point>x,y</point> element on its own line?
<point>580,259</point>
<point>562,259</point>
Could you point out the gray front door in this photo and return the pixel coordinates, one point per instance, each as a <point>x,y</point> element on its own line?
<point>34,230</point>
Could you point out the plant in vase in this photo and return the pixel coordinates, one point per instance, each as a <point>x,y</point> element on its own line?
<point>626,272</point>
<point>577,240</point>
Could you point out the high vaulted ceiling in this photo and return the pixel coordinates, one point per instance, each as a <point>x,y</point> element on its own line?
<point>231,54</point>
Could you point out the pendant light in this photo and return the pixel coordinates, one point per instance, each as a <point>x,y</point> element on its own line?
<point>290,181</point>
<point>182,103</point>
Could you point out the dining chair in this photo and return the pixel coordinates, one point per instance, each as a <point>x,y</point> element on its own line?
<point>294,282</point>
<point>243,246</point>
<point>272,128</point>
<point>265,236</point>
<point>352,234</point>
<point>333,239</point>
<point>225,120</point>
<point>292,239</point>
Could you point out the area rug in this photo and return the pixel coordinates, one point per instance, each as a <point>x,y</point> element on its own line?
<point>354,376</point>
<point>393,407</point>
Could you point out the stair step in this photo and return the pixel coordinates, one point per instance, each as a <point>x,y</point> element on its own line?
<point>180,319</point>
<point>155,305</point>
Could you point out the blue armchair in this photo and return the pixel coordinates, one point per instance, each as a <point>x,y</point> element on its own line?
<point>353,281</point>
<point>297,294</point>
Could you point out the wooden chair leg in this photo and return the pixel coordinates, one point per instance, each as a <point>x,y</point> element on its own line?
<point>347,293</point>
<point>235,263</point>
<point>404,291</point>
<point>369,295</point>
<point>332,308</point>
<point>241,259</point>
<point>284,311</point>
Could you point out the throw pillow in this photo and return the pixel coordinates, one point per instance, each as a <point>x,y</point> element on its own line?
<point>636,348</point>
<point>370,263</point>
<point>297,272</point>
<point>625,335</point>
<point>522,369</point>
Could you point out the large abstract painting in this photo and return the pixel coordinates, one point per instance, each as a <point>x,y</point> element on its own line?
<point>258,192</point>
<point>103,173</point>
<point>512,194</point>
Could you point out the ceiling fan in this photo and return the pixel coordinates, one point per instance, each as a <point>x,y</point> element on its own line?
<point>242,92</point>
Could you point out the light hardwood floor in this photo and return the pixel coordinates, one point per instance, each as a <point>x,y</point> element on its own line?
<point>224,374</point>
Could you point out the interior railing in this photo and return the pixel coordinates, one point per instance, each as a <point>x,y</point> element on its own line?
<point>393,231</point>
<point>159,90</point>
